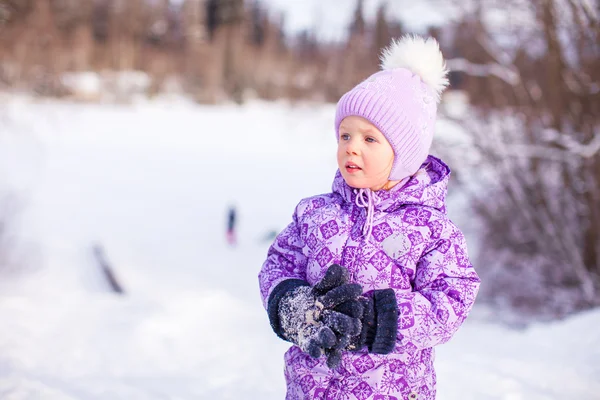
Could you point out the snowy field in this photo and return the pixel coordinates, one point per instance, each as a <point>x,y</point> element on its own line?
<point>151,183</point>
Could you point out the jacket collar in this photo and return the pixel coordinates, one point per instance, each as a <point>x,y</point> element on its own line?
<point>428,187</point>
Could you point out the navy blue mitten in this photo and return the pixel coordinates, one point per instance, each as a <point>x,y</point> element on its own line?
<point>386,316</point>
<point>379,323</point>
<point>369,325</point>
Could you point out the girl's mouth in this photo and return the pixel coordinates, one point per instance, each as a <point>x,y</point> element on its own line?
<point>352,168</point>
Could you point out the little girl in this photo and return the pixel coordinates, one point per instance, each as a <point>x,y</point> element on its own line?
<point>367,279</point>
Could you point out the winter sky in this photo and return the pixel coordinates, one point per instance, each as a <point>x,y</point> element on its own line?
<point>330,18</point>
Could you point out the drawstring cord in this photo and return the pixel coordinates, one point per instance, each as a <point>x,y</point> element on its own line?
<point>369,203</point>
<point>372,199</point>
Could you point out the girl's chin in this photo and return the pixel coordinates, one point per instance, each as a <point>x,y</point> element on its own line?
<point>355,184</point>
<point>359,183</point>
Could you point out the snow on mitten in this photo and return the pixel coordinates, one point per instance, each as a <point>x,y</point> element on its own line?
<point>306,322</point>
<point>307,316</point>
<point>301,324</point>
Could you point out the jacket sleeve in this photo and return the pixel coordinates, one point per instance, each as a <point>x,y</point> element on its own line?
<point>444,289</point>
<point>285,261</point>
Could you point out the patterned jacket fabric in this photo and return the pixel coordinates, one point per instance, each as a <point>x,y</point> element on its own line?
<point>413,248</point>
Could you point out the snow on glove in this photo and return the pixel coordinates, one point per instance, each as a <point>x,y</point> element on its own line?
<point>307,316</point>
<point>306,322</point>
<point>300,317</point>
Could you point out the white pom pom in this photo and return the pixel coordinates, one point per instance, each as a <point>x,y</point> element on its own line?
<point>421,57</point>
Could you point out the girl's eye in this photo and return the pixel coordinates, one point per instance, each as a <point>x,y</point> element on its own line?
<point>370,140</point>
<point>344,136</point>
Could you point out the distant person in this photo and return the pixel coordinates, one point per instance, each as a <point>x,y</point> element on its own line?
<point>269,236</point>
<point>231,221</point>
<point>366,280</point>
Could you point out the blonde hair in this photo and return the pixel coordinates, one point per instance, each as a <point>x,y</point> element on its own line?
<point>421,171</point>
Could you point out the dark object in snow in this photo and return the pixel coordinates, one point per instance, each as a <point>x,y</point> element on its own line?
<point>269,236</point>
<point>231,223</point>
<point>307,316</point>
<point>107,270</point>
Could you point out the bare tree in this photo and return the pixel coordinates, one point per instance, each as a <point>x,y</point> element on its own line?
<point>537,132</point>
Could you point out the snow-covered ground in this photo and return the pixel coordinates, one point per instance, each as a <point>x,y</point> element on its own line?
<point>151,182</point>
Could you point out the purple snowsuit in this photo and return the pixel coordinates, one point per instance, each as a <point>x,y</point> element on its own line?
<point>413,248</point>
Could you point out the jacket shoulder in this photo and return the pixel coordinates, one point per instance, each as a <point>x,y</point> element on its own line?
<point>432,220</point>
<point>443,231</point>
<point>310,204</point>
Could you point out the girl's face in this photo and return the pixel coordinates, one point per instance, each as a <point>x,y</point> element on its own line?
<point>364,155</point>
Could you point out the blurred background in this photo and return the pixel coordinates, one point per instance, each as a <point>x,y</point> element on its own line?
<point>150,151</point>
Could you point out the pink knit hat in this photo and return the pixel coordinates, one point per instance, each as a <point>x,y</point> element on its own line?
<point>401,100</point>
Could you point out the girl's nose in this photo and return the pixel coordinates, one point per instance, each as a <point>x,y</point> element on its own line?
<point>352,149</point>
